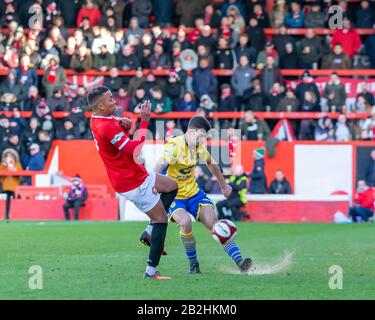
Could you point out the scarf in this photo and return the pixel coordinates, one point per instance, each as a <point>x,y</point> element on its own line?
<point>52,75</point>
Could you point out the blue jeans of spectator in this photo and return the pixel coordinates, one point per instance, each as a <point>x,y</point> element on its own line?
<point>363,213</point>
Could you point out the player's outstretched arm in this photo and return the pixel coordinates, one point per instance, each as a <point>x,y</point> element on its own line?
<point>134,147</point>
<point>226,189</point>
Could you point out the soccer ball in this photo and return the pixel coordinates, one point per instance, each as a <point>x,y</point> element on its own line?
<point>224,231</point>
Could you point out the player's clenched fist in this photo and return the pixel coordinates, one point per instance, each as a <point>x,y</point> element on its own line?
<point>125,123</point>
<point>146,110</point>
<point>226,190</point>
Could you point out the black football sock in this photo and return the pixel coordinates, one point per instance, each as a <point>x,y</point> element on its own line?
<point>167,199</point>
<point>157,243</point>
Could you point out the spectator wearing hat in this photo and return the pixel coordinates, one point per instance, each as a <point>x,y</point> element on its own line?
<point>10,162</point>
<point>54,77</point>
<point>242,78</point>
<point>258,179</point>
<point>278,13</point>
<point>296,18</point>
<point>315,18</point>
<point>82,60</point>
<point>204,81</point>
<point>335,93</point>
<point>348,37</point>
<point>91,11</point>
<point>58,101</point>
<point>310,50</point>
<point>307,84</point>
<point>75,198</point>
<point>338,59</point>
<point>289,103</point>
<point>269,51</point>
<point>42,112</point>
<point>34,162</point>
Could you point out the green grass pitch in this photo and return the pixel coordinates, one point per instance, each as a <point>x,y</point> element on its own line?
<point>106,261</point>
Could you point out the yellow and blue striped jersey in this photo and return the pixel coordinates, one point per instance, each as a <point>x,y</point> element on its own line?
<point>181,163</point>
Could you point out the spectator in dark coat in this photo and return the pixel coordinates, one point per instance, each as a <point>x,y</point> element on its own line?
<point>68,131</point>
<point>335,93</point>
<point>11,85</point>
<point>256,35</point>
<point>370,48</point>
<point>290,59</point>
<point>126,59</point>
<point>104,61</point>
<point>255,98</point>
<point>365,16</point>
<point>310,50</point>
<point>370,172</point>
<point>35,162</point>
<point>142,10</point>
<point>270,74</point>
<point>244,49</point>
<point>258,180</point>
<point>187,104</point>
<point>204,81</point>
<point>307,84</point>
<point>26,74</point>
<point>281,39</point>
<point>224,55</point>
<point>58,102</point>
<point>227,103</point>
<point>316,18</point>
<point>280,185</point>
<point>338,59</point>
<point>253,128</point>
<point>163,10</point>
<point>188,10</point>
<point>69,11</point>
<point>159,60</point>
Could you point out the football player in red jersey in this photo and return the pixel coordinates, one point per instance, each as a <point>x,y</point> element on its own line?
<point>150,192</point>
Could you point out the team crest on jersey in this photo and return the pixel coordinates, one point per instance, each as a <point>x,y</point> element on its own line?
<point>117,138</point>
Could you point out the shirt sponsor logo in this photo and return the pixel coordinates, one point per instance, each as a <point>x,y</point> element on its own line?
<point>117,138</point>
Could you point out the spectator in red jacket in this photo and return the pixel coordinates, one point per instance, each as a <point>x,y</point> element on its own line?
<point>364,203</point>
<point>91,11</point>
<point>348,38</point>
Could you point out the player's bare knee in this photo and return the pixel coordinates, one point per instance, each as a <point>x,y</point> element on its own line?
<point>186,225</point>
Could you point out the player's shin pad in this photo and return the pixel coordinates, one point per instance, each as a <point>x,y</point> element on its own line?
<point>167,198</point>
<point>157,243</point>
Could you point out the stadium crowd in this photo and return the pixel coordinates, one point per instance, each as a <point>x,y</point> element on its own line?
<point>117,35</point>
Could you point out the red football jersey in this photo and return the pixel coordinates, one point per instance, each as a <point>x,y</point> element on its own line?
<point>119,153</point>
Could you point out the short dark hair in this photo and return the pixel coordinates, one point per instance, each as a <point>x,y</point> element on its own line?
<point>199,122</point>
<point>94,95</point>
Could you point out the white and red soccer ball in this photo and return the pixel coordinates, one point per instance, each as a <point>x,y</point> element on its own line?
<point>224,231</point>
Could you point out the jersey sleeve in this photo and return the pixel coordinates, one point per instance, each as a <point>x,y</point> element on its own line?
<point>115,135</point>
